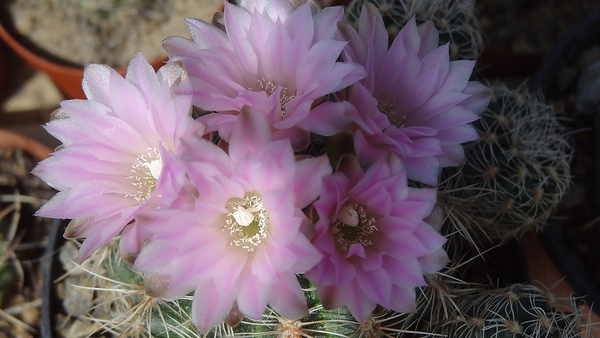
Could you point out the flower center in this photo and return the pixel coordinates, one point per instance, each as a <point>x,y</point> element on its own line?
<point>284,97</point>
<point>387,109</point>
<point>247,221</point>
<point>145,173</point>
<point>353,225</point>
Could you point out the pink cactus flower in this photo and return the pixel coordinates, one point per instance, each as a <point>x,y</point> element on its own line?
<point>374,239</point>
<point>113,143</point>
<point>241,245</point>
<point>413,101</point>
<point>273,57</point>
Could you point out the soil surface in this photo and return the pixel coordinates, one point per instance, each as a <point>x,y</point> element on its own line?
<point>23,238</point>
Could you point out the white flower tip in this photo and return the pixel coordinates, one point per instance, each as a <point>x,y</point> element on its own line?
<point>234,317</point>
<point>297,3</point>
<point>436,218</point>
<point>434,261</point>
<point>173,73</point>
<point>480,97</point>
<point>76,227</point>
<point>37,171</point>
<point>156,285</point>
<point>128,257</point>
<point>59,114</point>
<point>218,20</point>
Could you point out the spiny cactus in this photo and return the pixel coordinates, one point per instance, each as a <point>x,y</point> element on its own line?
<point>105,294</point>
<point>515,174</point>
<point>520,311</point>
<point>116,303</point>
<point>455,309</point>
<point>455,21</point>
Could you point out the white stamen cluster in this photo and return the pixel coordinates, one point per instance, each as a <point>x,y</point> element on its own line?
<point>145,173</point>
<point>353,225</point>
<point>266,86</point>
<point>247,221</point>
<point>395,118</point>
<point>284,97</point>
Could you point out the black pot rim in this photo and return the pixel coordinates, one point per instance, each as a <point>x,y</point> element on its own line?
<point>48,295</point>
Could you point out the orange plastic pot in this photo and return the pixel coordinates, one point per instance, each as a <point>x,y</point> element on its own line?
<point>67,78</point>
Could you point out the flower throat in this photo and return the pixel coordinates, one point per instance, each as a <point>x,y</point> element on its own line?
<point>353,225</point>
<point>247,221</point>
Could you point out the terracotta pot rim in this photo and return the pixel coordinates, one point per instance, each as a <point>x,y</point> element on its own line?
<point>546,273</point>
<point>11,139</point>
<point>67,78</point>
<point>35,58</point>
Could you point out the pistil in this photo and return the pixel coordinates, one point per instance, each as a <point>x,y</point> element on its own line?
<point>247,221</point>
<point>353,225</point>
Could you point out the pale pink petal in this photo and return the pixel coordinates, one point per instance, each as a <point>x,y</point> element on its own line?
<point>209,307</point>
<point>279,60</point>
<point>113,148</point>
<point>306,188</point>
<point>288,299</point>
<point>251,133</point>
<point>253,297</point>
<point>428,99</point>
<point>379,255</point>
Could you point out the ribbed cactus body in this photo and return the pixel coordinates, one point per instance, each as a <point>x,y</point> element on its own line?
<point>452,309</point>
<point>518,311</point>
<point>516,173</point>
<point>446,307</point>
<point>120,305</point>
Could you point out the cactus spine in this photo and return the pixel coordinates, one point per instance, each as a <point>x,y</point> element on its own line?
<point>515,174</point>
<point>117,304</point>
